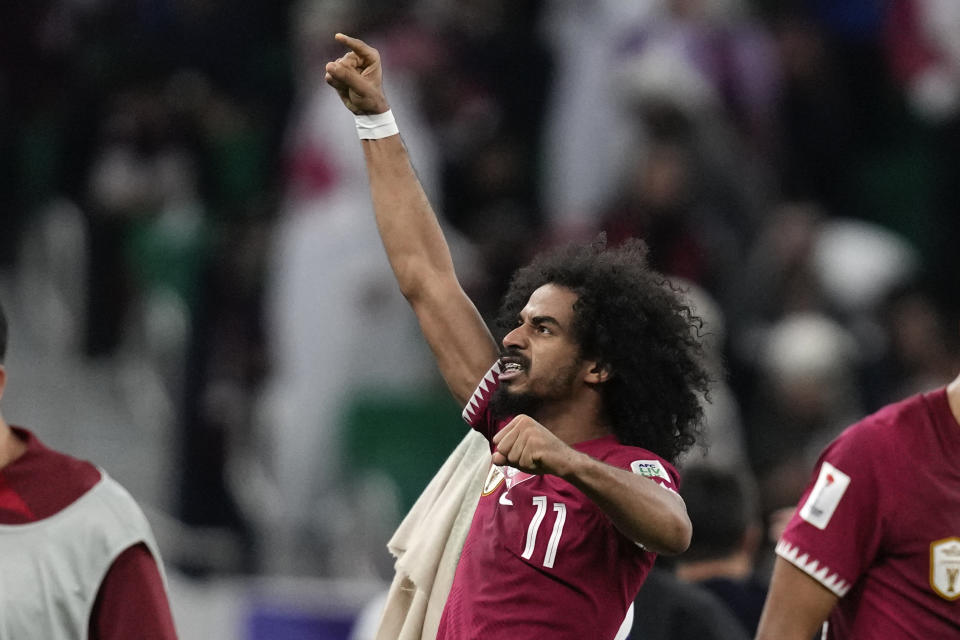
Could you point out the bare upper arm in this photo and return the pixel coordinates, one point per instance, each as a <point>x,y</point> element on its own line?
<point>459,338</point>
<point>796,605</point>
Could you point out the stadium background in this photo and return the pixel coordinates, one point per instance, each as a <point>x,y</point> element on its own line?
<point>198,301</point>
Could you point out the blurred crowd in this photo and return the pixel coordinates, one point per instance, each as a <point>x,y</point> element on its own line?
<point>179,186</point>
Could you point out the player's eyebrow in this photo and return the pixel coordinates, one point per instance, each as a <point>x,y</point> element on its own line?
<point>546,320</point>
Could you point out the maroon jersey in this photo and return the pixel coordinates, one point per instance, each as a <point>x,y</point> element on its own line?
<point>541,560</point>
<point>880,524</point>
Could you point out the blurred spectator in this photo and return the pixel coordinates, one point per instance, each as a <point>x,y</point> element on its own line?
<point>225,365</point>
<point>723,441</point>
<point>671,609</point>
<point>921,347</point>
<point>805,261</point>
<point>727,535</point>
<point>808,367</point>
<point>705,67</point>
<point>857,263</point>
<point>661,199</point>
<point>711,59</point>
<point>816,151</point>
<point>147,224</point>
<point>923,50</point>
<point>778,277</point>
<point>487,94</point>
<point>587,132</point>
<point>925,55</point>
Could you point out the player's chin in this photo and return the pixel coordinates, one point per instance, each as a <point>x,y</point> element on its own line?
<point>513,387</point>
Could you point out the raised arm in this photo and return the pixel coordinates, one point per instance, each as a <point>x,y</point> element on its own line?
<point>411,235</point>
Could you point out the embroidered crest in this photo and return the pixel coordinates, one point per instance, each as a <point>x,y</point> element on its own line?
<point>945,568</point>
<point>494,478</point>
<point>825,496</point>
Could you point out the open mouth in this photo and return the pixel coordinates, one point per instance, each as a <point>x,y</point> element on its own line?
<point>511,367</point>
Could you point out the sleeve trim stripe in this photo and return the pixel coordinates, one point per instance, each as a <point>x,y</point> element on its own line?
<point>481,396</point>
<point>822,574</point>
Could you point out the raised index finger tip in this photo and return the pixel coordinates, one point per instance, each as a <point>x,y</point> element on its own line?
<point>356,44</point>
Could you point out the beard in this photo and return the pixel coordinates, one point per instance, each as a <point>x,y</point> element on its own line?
<point>505,405</point>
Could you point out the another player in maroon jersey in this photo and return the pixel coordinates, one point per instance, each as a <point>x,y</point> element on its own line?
<point>596,390</point>
<point>874,548</point>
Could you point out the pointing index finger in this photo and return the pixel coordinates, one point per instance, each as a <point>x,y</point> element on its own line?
<point>365,52</point>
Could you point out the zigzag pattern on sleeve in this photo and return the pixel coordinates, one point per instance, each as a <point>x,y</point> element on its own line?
<point>481,397</point>
<point>822,574</point>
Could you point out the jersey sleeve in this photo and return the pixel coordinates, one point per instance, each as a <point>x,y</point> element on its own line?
<point>836,530</point>
<point>477,411</point>
<point>658,470</point>
<point>132,600</point>
<point>645,463</point>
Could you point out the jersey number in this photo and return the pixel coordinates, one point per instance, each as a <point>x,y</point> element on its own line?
<point>540,502</point>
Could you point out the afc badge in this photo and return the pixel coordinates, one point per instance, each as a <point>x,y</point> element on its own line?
<point>945,568</point>
<point>650,468</point>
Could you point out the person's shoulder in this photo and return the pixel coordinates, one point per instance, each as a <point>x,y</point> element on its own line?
<point>65,479</point>
<point>882,425</point>
<point>881,437</point>
<point>609,448</point>
<point>47,479</point>
<point>907,409</point>
<point>637,459</point>
<point>117,499</point>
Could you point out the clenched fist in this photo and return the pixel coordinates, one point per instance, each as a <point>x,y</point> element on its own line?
<point>529,446</point>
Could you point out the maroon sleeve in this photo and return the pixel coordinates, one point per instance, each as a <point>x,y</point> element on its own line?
<point>477,413</point>
<point>132,601</point>
<point>837,529</point>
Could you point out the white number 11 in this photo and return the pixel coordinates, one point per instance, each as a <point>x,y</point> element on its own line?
<point>540,502</point>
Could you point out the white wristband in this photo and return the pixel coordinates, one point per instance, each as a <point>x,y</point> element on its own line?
<point>380,125</point>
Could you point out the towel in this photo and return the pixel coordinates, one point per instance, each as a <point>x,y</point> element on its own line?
<point>428,542</point>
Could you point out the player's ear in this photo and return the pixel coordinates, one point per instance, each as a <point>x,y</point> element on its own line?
<point>598,372</point>
<point>3,380</point>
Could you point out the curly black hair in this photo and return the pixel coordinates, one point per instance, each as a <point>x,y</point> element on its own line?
<point>632,320</point>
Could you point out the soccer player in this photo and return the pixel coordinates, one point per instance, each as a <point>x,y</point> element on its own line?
<point>874,548</point>
<point>77,557</point>
<point>593,395</point>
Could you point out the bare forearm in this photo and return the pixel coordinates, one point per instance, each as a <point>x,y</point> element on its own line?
<point>409,229</point>
<point>408,225</point>
<point>640,508</point>
<point>796,605</point>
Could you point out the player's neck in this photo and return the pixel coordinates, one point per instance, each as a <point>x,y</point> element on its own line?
<point>11,447</point>
<point>953,397</point>
<point>574,422</point>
